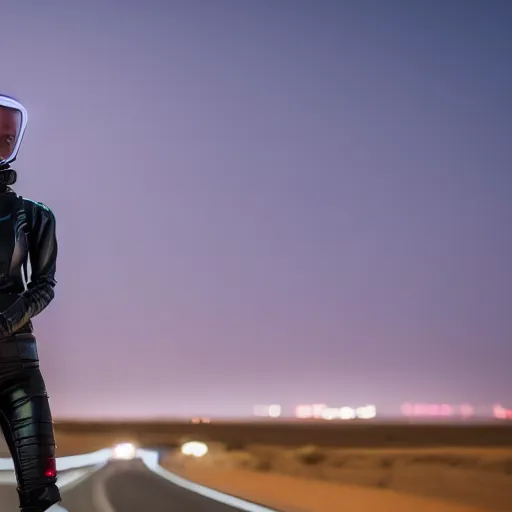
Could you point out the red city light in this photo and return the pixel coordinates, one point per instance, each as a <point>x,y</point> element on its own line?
<point>501,413</point>
<point>437,410</point>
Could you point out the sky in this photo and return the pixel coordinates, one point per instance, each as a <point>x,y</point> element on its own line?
<point>286,201</point>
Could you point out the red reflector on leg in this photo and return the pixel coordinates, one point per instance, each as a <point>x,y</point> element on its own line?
<point>51,469</point>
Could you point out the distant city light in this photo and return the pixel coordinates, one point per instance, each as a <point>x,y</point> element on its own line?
<point>200,420</point>
<point>267,411</point>
<point>437,410</point>
<point>367,412</point>
<point>466,410</point>
<point>309,411</point>
<point>346,413</point>
<point>322,411</point>
<point>500,413</point>
<point>274,411</point>
<point>330,413</point>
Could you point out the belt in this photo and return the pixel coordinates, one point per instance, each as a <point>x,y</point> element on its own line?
<point>19,346</point>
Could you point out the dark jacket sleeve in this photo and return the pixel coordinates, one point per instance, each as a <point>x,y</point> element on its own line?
<point>42,242</point>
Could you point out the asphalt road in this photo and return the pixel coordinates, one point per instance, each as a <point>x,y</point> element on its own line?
<point>125,486</point>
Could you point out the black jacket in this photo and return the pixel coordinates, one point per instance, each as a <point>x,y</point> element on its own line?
<point>27,233</point>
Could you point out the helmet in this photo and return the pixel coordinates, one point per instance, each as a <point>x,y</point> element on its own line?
<point>13,122</point>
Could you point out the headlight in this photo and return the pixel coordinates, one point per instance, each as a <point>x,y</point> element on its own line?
<point>124,451</point>
<point>194,449</point>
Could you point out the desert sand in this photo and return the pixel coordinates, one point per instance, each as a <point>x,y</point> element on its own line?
<point>310,479</point>
<point>295,494</point>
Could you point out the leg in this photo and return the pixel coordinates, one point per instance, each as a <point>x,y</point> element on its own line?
<point>28,427</point>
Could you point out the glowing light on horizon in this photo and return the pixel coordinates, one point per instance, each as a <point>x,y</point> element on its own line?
<point>500,413</point>
<point>437,410</point>
<point>321,411</point>
<point>268,411</point>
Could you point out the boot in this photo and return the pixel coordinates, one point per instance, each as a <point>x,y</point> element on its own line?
<point>41,499</point>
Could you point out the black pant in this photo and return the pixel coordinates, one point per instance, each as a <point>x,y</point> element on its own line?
<point>26,423</point>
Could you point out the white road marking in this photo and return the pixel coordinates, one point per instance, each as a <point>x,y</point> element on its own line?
<point>211,494</point>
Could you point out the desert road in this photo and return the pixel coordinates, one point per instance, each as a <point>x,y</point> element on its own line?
<point>129,486</point>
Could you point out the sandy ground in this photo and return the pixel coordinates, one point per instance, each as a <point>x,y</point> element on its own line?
<point>474,479</point>
<point>363,434</point>
<point>294,494</point>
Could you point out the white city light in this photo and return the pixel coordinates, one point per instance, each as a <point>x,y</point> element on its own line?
<point>347,413</point>
<point>274,411</point>
<point>330,413</point>
<point>366,412</point>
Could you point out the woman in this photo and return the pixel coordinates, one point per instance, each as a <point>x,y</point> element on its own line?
<point>27,232</point>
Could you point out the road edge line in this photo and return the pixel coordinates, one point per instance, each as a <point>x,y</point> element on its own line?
<point>67,486</point>
<point>221,497</point>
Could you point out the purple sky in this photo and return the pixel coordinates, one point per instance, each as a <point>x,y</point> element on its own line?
<point>269,201</point>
